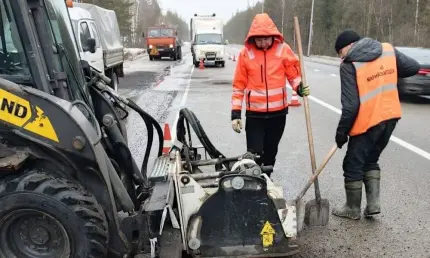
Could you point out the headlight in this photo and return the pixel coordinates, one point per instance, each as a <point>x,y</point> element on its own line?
<point>171,45</point>
<point>150,46</point>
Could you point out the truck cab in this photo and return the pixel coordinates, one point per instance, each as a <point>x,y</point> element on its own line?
<point>162,41</point>
<point>209,47</point>
<point>86,34</point>
<point>97,33</point>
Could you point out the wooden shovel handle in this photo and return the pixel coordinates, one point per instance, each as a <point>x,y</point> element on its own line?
<point>306,104</point>
<point>317,172</point>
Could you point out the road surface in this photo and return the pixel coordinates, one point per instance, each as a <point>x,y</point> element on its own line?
<point>403,228</point>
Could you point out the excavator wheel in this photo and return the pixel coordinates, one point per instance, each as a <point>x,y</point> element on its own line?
<point>42,215</point>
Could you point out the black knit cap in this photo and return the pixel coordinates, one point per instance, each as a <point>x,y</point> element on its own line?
<point>345,38</point>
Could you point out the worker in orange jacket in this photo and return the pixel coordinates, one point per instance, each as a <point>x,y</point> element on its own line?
<point>370,111</point>
<point>263,67</point>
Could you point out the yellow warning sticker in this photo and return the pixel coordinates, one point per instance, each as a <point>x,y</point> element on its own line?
<point>21,113</point>
<point>267,240</point>
<point>267,233</point>
<point>154,51</point>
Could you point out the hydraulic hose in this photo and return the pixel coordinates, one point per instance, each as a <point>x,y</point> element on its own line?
<point>187,115</point>
<point>149,122</point>
<point>147,118</point>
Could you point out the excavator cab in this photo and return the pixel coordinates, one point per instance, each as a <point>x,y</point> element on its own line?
<point>69,186</point>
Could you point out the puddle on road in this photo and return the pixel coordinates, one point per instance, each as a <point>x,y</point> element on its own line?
<point>199,77</point>
<point>221,82</point>
<point>137,80</point>
<point>174,73</point>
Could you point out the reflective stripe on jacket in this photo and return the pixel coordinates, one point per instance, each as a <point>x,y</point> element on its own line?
<point>261,76</point>
<point>377,87</point>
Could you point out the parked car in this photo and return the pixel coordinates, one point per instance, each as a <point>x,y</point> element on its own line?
<point>418,84</point>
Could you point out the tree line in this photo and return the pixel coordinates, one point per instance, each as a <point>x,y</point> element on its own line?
<point>149,14</point>
<point>400,22</point>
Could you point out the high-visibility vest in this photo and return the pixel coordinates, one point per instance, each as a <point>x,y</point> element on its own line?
<point>266,78</point>
<point>377,87</point>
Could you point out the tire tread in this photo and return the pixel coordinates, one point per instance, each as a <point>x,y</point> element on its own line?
<point>80,201</point>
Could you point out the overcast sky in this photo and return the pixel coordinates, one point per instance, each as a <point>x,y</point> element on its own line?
<point>223,8</point>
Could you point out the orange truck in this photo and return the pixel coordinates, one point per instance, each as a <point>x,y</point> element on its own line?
<point>162,41</point>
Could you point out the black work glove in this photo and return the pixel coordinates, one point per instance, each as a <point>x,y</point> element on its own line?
<point>341,139</point>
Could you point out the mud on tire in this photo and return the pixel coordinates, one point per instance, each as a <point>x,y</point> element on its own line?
<point>45,216</point>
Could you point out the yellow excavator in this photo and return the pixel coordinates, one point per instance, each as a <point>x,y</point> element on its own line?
<point>69,185</point>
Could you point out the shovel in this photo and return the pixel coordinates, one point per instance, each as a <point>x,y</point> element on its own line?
<point>316,211</point>
<point>310,211</point>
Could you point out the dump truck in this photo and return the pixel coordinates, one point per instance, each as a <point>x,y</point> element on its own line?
<point>70,186</point>
<point>162,41</point>
<point>207,44</point>
<point>99,39</point>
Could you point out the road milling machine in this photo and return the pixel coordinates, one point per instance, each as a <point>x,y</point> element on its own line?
<point>69,185</point>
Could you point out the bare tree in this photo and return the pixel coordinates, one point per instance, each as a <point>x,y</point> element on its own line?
<point>400,22</point>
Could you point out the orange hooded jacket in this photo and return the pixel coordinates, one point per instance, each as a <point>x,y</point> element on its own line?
<point>261,75</point>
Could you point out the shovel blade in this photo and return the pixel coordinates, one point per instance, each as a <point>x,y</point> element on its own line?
<point>317,214</point>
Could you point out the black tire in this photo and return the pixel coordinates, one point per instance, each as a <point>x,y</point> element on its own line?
<point>40,213</point>
<point>114,81</point>
<point>180,54</point>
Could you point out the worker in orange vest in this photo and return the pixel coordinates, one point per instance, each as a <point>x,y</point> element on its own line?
<point>370,111</point>
<point>264,66</point>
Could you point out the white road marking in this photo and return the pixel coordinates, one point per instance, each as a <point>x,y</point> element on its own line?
<point>187,89</point>
<point>332,74</point>
<point>316,70</point>
<point>182,104</point>
<point>393,138</point>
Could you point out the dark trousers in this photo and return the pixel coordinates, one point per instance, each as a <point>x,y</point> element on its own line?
<point>364,150</point>
<point>263,136</point>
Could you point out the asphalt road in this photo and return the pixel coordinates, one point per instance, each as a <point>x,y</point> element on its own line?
<point>403,228</point>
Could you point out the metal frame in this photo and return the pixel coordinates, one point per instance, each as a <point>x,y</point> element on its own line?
<point>33,52</point>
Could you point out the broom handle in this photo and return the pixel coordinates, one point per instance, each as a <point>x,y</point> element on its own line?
<point>317,172</point>
<point>307,112</point>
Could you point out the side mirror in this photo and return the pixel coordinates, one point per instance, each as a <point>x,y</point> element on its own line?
<point>91,45</point>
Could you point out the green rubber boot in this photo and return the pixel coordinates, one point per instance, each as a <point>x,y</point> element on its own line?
<point>352,208</point>
<point>372,184</point>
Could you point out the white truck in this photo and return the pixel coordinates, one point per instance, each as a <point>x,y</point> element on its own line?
<point>207,44</point>
<point>98,38</point>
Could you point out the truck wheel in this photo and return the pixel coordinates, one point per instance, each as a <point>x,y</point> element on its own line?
<point>45,216</point>
<point>114,83</point>
<point>180,54</point>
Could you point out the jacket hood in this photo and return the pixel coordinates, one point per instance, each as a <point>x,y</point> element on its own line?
<point>364,50</point>
<point>262,25</point>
